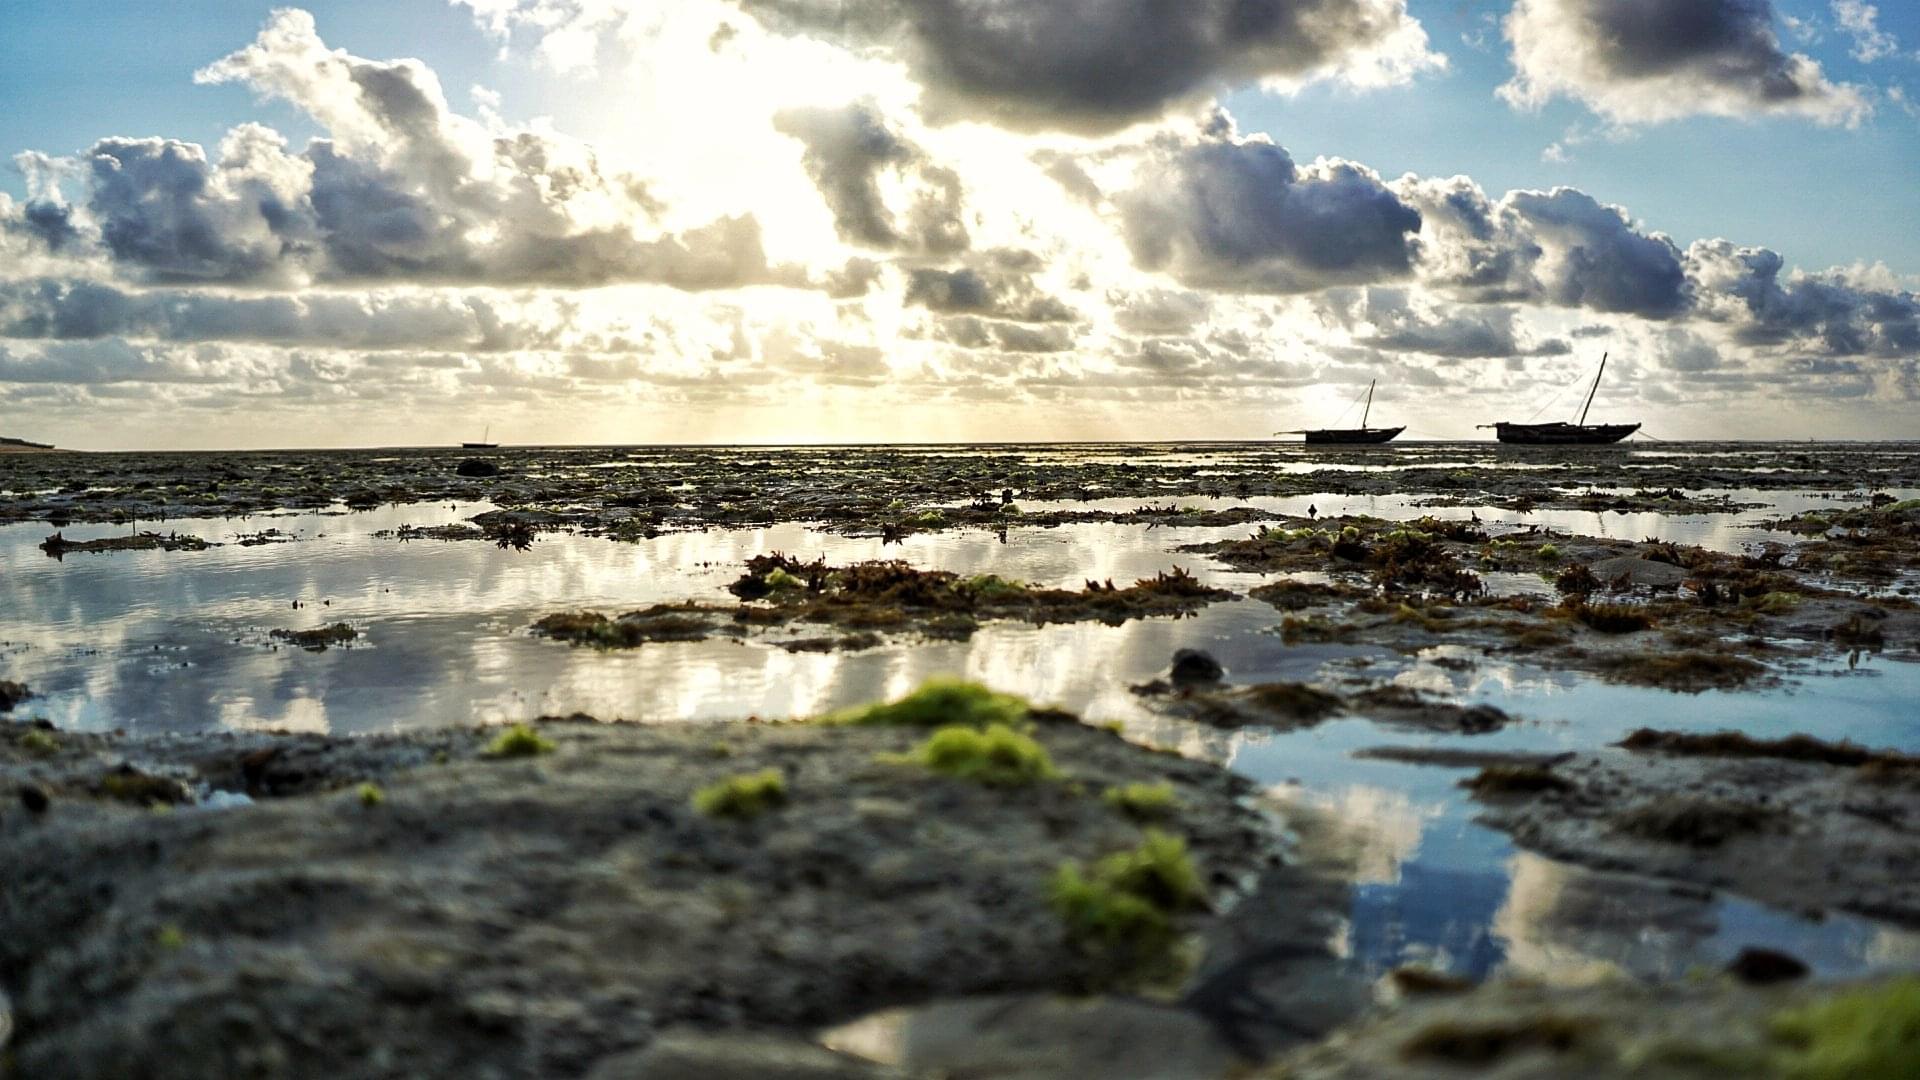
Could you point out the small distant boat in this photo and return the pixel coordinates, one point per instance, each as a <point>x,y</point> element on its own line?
<point>483,444</point>
<point>1560,433</point>
<point>1360,436</point>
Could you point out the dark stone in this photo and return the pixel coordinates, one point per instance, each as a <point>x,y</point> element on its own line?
<point>11,694</point>
<point>1763,967</point>
<point>1192,666</point>
<point>477,467</point>
<point>34,799</point>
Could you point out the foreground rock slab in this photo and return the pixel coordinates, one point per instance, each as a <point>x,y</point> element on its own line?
<point>425,906</point>
<point>1798,823</point>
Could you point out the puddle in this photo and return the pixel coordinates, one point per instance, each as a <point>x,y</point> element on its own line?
<point>178,641</point>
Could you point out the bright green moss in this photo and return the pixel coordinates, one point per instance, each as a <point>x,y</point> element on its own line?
<point>519,741</point>
<point>780,580</point>
<point>1871,1034</point>
<point>1775,603</point>
<point>1130,897</point>
<point>1143,802</point>
<point>994,587</point>
<point>997,756</point>
<point>744,797</point>
<point>371,795</point>
<point>40,743</point>
<point>938,702</point>
<point>1548,553</point>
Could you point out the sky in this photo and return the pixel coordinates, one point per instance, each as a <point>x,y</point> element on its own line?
<point>405,222</point>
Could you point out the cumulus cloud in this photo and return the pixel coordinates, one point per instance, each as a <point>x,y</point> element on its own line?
<point>1082,65</point>
<point>1592,256</point>
<point>1648,61</point>
<point>850,150</point>
<point>1396,321</point>
<point>1861,21</point>
<point>1837,313</point>
<point>1231,214</point>
<point>403,188</point>
<point>999,285</point>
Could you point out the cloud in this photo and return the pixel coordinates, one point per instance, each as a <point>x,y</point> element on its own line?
<point>1068,65</point>
<point>1476,332</point>
<point>403,189</point>
<point>1837,313</point>
<point>1237,215</point>
<point>848,150</point>
<point>1000,285</point>
<point>1649,61</point>
<point>1861,21</point>
<point>1593,257</point>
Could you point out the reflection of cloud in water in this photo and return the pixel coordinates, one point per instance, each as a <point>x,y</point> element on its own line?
<point>1367,832</point>
<point>1894,949</point>
<point>1566,925</point>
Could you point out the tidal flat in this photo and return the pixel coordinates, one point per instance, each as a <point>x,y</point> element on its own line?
<point>1203,760</point>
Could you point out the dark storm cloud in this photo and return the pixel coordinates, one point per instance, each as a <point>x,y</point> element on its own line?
<point>1744,287</point>
<point>1596,259</point>
<point>1470,246</point>
<point>44,221</point>
<point>159,208</point>
<point>998,285</point>
<point>1238,216</point>
<point>848,149</point>
<point>1650,60</point>
<point>1092,65</point>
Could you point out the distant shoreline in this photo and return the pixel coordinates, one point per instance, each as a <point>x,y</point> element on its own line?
<point>21,446</point>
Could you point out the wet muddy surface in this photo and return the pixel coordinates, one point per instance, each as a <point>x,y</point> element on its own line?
<point>1382,628</point>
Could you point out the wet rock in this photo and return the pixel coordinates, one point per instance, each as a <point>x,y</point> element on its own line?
<point>477,467</point>
<point>695,1055</point>
<point>12,694</point>
<point>1631,571</point>
<point>34,798</point>
<point>1031,1037</point>
<point>1620,1029</point>
<point>319,639</point>
<point>431,940</point>
<point>1764,967</point>
<point>1785,822</point>
<point>1193,667</point>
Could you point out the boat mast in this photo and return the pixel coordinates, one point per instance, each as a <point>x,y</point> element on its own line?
<point>1368,411</point>
<point>1595,390</point>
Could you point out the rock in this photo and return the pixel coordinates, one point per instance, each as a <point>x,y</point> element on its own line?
<point>478,467</point>
<point>551,915</point>
<point>1192,666</point>
<point>1640,573</point>
<point>34,798</point>
<point>1019,1036</point>
<point>697,1055</point>
<point>12,694</point>
<point>1761,967</point>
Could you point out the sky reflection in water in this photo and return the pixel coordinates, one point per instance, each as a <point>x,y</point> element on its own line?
<point>178,641</point>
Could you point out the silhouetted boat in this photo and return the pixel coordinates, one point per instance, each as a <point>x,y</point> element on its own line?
<point>483,444</point>
<point>1560,433</point>
<point>1360,436</point>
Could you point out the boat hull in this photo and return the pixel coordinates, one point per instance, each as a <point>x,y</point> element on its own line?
<point>1563,434</point>
<point>480,446</point>
<point>1352,436</point>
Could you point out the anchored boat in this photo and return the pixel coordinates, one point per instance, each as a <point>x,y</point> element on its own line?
<point>483,444</point>
<point>1360,436</point>
<point>1560,433</point>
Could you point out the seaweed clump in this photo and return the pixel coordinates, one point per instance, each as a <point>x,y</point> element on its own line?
<point>742,797</point>
<point>939,702</point>
<point>1609,618</point>
<point>1868,1034</point>
<point>319,639</point>
<point>1464,1042</point>
<point>655,624</point>
<point>997,756</point>
<point>1515,780</point>
<point>1143,802</point>
<point>1128,899</point>
<point>1694,821</point>
<point>519,741</point>
<point>1689,671</point>
<point>1733,744</point>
